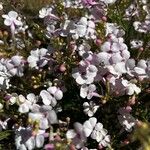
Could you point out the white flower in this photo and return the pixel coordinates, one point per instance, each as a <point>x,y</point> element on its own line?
<point>112,28</point>
<point>126,119</point>
<point>94,129</point>
<point>37,58</point>
<point>12,20</point>
<point>85,74</point>
<point>77,135</point>
<point>90,108</point>
<point>45,12</point>
<point>15,65</point>
<point>105,142</point>
<point>88,91</point>
<point>131,88</point>
<point>45,115</point>
<point>26,104</point>
<point>51,96</point>
<point>25,141</point>
<point>143,69</point>
<point>84,28</point>
<point>136,44</point>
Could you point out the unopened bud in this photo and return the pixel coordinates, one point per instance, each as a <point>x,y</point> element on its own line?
<point>62,68</point>
<point>126,142</point>
<point>1,106</point>
<point>38,43</point>
<point>104,18</point>
<point>98,42</point>
<point>68,119</point>
<point>5,33</point>
<point>141,49</point>
<point>1,34</point>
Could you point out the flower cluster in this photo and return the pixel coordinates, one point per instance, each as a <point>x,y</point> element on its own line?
<point>72,70</point>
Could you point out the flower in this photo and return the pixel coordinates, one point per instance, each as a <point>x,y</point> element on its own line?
<point>88,91</point>
<point>26,104</point>
<point>15,65</point>
<point>12,20</point>
<point>90,108</point>
<point>85,74</point>
<point>131,88</point>
<point>84,28</point>
<point>136,44</point>
<point>142,69</point>
<point>37,58</point>
<point>51,96</point>
<point>24,140</point>
<point>126,119</point>
<point>44,12</point>
<point>77,135</point>
<point>94,129</point>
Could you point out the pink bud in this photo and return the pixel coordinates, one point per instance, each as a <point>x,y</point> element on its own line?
<point>62,68</point>
<point>141,49</point>
<point>104,18</point>
<point>128,109</point>
<point>126,142</point>
<point>98,42</point>
<point>57,138</point>
<point>72,147</point>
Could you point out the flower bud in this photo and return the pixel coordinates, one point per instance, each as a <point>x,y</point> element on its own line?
<point>1,106</point>
<point>5,33</point>
<point>104,18</point>
<point>98,42</point>
<point>62,68</point>
<point>141,49</point>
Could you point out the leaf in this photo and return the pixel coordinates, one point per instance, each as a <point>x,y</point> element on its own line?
<point>4,134</point>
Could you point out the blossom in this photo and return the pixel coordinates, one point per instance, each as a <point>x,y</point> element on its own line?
<point>24,140</point>
<point>77,135</point>
<point>88,91</point>
<point>83,28</point>
<point>15,65</point>
<point>131,88</point>
<point>26,104</point>
<point>136,44</point>
<point>90,108</point>
<point>126,119</point>
<point>12,20</point>
<point>45,12</point>
<point>37,58</point>
<point>112,28</point>
<point>85,74</point>
<point>51,96</point>
<point>94,129</point>
<point>105,142</point>
<point>44,115</point>
<point>142,69</point>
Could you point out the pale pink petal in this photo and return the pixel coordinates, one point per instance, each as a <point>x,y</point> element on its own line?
<point>70,134</point>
